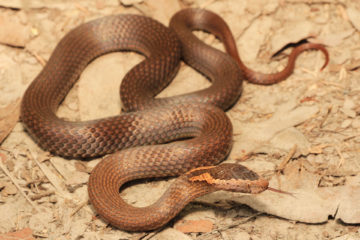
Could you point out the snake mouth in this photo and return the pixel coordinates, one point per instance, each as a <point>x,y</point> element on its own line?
<point>242,186</point>
<point>259,186</point>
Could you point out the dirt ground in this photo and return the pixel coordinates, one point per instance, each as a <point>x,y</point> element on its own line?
<point>302,134</point>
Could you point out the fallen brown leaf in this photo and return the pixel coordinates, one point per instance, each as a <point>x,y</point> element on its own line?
<point>354,16</point>
<point>9,116</point>
<point>334,39</point>
<point>129,3</point>
<point>318,149</point>
<point>82,167</point>
<point>194,226</point>
<point>24,234</point>
<point>9,189</point>
<point>13,33</point>
<point>354,64</point>
<point>277,129</point>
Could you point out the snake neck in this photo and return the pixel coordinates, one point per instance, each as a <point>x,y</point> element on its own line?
<point>116,170</point>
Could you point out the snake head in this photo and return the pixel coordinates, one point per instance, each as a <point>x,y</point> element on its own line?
<point>229,177</point>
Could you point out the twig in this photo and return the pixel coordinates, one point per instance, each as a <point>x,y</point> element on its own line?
<point>147,236</point>
<point>37,57</point>
<point>51,179</point>
<point>245,157</point>
<point>80,206</point>
<point>350,137</point>
<point>326,116</point>
<point>41,195</point>
<point>313,73</point>
<point>287,158</point>
<point>342,159</point>
<point>332,84</point>
<point>40,235</point>
<point>37,181</point>
<point>235,224</point>
<point>281,167</point>
<point>3,168</point>
<point>82,9</point>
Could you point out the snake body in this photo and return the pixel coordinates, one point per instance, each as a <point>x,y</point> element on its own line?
<point>149,120</point>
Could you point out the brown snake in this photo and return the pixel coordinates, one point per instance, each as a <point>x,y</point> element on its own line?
<point>196,118</point>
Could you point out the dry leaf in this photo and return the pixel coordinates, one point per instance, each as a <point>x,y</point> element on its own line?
<point>194,226</point>
<point>54,178</point>
<point>24,234</point>
<point>13,33</point>
<point>9,221</point>
<point>349,210</point>
<point>291,34</point>
<point>286,139</point>
<point>9,189</point>
<point>348,108</point>
<point>82,167</point>
<point>131,2</point>
<point>37,221</point>
<point>2,184</point>
<point>77,180</point>
<point>334,39</point>
<point>9,116</point>
<point>307,1</point>
<point>354,16</point>
<point>79,227</point>
<point>307,198</point>
<point>33,4</point>
<point>318,149</point>
<point>253,38</point>
<point>171,233</point>
<point>309,203</point>
<point>255,135</point>
<point>352,66</point>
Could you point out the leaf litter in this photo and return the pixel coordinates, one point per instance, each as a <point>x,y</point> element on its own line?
<point>318,112</point>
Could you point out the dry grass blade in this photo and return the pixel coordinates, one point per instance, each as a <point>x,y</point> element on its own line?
<point>287,158</point>
<point>13,180</point>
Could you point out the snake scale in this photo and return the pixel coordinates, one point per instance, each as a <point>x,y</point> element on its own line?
<point>145,133</point>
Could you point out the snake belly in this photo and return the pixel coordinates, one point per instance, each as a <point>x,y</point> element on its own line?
<point>148,121</point>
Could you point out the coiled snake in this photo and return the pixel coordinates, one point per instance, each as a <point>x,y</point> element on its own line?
<point>196,118</point>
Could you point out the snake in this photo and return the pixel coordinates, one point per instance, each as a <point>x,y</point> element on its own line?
<point>187,135</point>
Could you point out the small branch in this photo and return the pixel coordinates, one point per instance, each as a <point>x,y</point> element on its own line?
<point>342,159</point>
<point>4,169</point>
<point>81,205</point>
<point>41,195</point>
<point>37,57</point>
<point>325,117</point>
<point>287,159</point>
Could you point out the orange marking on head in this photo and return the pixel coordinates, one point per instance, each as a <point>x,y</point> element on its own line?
<point>203,177</point>
<point>200,168</point>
